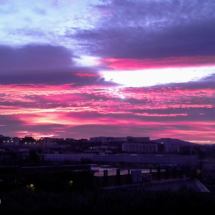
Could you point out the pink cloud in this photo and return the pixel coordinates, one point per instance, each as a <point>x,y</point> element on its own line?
<point>171,62</point>
<point>161,115</point>
<point>34,106</point>
<point>188,129</point>
<point>64,98</point>
<point>36,135</point>
<point>66,93</point>
<point>128,124</point>
<point>165,93</point>
<point>86,74</point>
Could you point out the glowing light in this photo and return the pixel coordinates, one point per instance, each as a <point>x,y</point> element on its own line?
<point>48,135</point>
<point>87,61</point>
<point>200,141</point>
<point>151,77</point>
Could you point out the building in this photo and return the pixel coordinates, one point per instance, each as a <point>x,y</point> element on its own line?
<point>68,157</point>
<point>137,160</point>
<point>28,141</point>
<point>16,141</point>
<point>102,140</point>
<point>120,139</point>
<point>138,139</point>
<point>208,172</point>
<point>140,147</point>
<point>49,141</point>
<point>170,147</point>
<point>11,141</point>
<point>1,139</point>
<point>143,160</point>
<point>8,158</point>
<point>106,147</point>
<point>116,139</point>
<point>114,178</point>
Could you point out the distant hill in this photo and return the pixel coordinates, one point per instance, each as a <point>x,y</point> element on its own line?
<point>183,143</point>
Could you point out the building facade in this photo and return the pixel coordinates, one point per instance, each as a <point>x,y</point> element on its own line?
<point>170,147</point>
<point>140,147</point>
<point>138,139</point>
<point>102,140</point>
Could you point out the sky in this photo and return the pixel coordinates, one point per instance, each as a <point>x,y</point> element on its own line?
<point>84,68</point>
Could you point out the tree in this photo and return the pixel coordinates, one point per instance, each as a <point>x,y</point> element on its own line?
<point>33,156</point>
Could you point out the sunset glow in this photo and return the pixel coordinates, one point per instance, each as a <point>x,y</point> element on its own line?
<point>108,68</point>
<point>152,77</point>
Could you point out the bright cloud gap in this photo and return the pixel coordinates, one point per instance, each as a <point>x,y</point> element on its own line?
<point>152,77</point>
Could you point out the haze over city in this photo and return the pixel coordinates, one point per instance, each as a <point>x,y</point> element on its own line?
<point>116,68</point>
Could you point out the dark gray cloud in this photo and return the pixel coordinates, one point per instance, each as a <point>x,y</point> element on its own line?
<point>151,29</point>
<point>54,77</point>
<point>155,13</point>
<point>36,64</point>
<point>135,43</point>
<point>34,57</point>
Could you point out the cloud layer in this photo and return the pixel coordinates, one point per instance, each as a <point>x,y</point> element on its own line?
<point>112,67</point>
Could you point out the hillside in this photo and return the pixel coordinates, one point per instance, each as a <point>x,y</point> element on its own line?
<point>183,143</point>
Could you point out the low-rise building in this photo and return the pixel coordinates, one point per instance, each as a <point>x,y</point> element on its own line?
<point>140,147</point>
<point>120,139</point>
<point>105,147</point>
<point>138,139</point>
<point>128,159</point>
<point>11,141</point>
<point>171,147</point>
<point>102,140</point>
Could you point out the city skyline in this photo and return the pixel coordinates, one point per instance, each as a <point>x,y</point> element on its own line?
<point>111,138</point>
<point>85,68</point>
